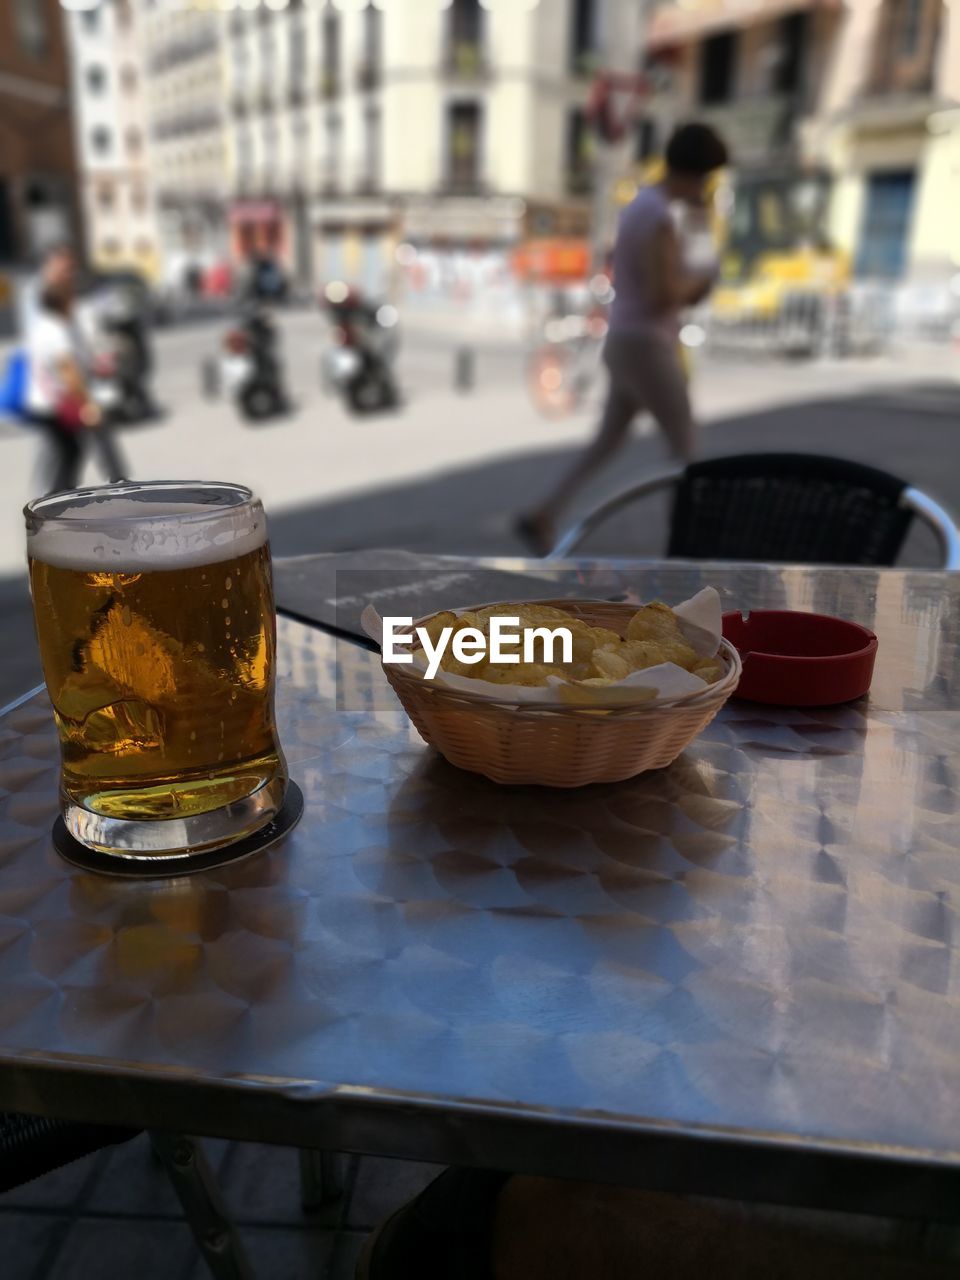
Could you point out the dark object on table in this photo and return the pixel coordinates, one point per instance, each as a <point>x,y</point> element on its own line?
<point>784,507</point>
<point>333,590</point>
<point>793,659</point>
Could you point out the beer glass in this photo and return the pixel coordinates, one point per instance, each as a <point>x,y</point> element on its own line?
<point>154,613</point>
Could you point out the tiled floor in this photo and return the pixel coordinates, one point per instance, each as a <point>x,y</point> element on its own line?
<point>114,1216</point>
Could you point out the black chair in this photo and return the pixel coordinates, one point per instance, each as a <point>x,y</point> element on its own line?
<point>796,507</point>
<point>31,1146</point>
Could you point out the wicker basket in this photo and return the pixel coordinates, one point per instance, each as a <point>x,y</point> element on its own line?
<point>553,744</point>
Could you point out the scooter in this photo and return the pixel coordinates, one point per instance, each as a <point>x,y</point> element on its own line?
<point>249,369</point>
<point>358,363</point>
<point>128,349</point>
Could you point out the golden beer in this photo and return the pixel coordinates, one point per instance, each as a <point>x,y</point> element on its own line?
<point>154,614</point>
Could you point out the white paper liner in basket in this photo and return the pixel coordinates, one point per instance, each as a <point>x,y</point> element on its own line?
<point>700,622</point>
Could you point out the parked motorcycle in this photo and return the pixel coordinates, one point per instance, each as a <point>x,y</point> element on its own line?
<point>249,368</point>
<point>126,354</point>
<point>358,364</point>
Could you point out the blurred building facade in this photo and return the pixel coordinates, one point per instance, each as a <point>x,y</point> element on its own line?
<point>112,138</point>
<point>357,126</point>
<point>860,98</point>
<point>183,59</point>
<point>37,162</point>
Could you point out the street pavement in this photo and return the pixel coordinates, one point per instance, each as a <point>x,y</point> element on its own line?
<point>449,471</point>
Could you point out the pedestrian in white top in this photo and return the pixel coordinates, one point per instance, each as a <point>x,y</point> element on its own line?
<point>642,352</point>
<point>58,397</point>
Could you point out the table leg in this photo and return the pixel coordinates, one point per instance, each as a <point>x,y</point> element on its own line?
<point>197,1190</point>
<point>321,1178</point>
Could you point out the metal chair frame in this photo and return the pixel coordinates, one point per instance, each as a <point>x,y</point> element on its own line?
<point>921,504</point>
<point>186,1165</point>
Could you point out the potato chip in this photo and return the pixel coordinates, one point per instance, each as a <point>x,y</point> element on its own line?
<point>709,669</point>
<point>600,656</point>
<point>653,622</point>
<point>522,673</point>
<point>611,665</point>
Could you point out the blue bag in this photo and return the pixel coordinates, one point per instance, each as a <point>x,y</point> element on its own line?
<point>13,386</point>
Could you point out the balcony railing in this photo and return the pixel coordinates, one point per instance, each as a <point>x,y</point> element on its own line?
<point>579,182</point>
<point>466,60</point>
<point>462,184</point>
<point>186,124</point>
<point>585,63</point>
<point>198,43</point>
<point>368,75</point>
<point>329,85</point>
<point>755,128</point>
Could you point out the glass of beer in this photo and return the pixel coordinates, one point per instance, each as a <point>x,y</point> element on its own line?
<point>154,613</point>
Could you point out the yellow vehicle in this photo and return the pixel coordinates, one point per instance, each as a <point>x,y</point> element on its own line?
<point>780,278</point>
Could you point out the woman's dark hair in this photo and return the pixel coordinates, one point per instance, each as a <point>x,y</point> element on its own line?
<point>55,301</point>
<point>696,149</point>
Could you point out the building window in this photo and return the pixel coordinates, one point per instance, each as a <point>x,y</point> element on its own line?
<point>906,45</point>
<point>100,139</point>
<point>297,53</point>
<point>30,18</point>
<point>372,36</point>
<point>580,153</point>
<point>128,78</point>
<point>792,40</point>
<point>717,65</point>
<point>646,140</point>
<point>463,143</point>
<point>331,160</point>
<point>138,199</point>
<point>371,148</point>
<point>89,17</point>
<point>96,79</point>
<point>465,36</point>
<point>144,248</point>
<point>908,24</point>
<point>583,37</point>
<point>105,195</point>
<point>331,52</point>
<point>110,247</point>
<point>134,140</point>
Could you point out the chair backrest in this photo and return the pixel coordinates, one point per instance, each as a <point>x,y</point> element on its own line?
<point>788,506</point>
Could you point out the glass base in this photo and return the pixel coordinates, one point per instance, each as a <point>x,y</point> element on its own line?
<point>165,868</point>
<point>170,838</point>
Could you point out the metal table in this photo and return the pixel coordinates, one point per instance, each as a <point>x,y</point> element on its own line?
<point>738,975</point>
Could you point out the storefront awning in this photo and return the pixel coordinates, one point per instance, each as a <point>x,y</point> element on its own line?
<point>552,261</point>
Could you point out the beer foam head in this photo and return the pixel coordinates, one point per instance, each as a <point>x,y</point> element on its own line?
<point>132,527</point>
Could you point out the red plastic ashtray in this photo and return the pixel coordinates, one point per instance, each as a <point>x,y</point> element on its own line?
<point>800,659</point>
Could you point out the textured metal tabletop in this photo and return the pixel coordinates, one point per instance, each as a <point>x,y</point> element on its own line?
<point>759,943</point>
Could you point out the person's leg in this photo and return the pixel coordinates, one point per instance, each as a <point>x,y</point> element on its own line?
<point>105,443</point>
<point>62,467</point>
<point>666,394</point>
<point>538,526</point>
